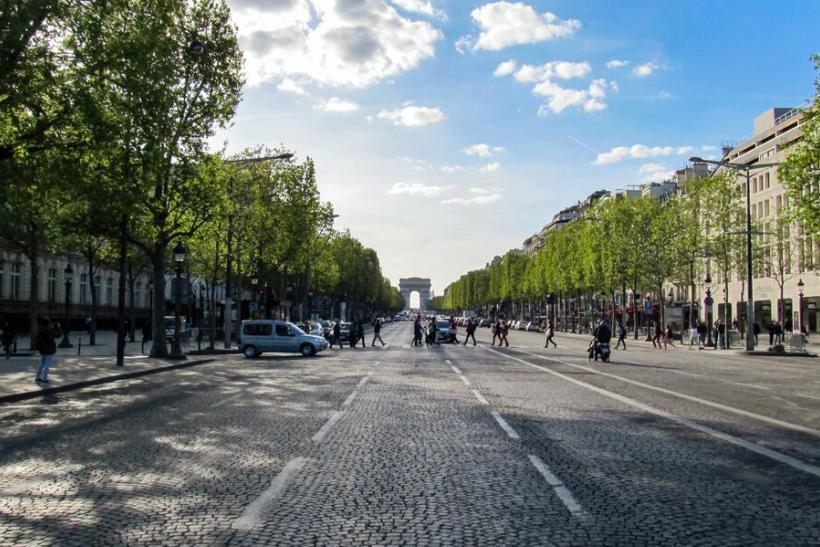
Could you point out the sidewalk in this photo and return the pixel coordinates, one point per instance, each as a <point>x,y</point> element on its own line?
<point>93,365</point>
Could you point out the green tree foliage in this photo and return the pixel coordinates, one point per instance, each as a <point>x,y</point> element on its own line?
<point>800,172</point>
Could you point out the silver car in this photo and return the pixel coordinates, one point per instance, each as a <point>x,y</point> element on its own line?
<point>263,335</point>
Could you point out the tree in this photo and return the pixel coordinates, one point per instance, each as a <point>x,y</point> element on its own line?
<point>800,172</point>
<point>155,100</point>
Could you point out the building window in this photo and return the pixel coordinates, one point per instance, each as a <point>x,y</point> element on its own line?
<point>779,202</point>
<point>52,285</point>
<point>14,278</point>
<point>83,288</point>
<point>109,291</point>
<point>754,184</point>
<point>97,288</point>
<point>766,208</point>
<point>137,293</point>
<point>767,181</point>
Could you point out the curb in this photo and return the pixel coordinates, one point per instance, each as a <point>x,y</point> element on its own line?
<point>98,381</point>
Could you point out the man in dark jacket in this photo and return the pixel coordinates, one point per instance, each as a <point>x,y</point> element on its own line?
<point>47,348</point>
<point>377,329</point>
<point>336,336</point>
<point>417,331</point>
<point>470,328</point>
<point>360,332</point>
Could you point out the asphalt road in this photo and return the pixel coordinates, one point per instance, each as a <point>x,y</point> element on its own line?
<point>417,446</point>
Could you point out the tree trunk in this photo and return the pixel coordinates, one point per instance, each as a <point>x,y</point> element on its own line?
<point>92,280</point>
<point>34,290</point>
<point>159,346</point>
<point>132,311</point>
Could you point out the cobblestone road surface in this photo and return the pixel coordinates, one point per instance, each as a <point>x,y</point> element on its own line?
<point>417,446</point>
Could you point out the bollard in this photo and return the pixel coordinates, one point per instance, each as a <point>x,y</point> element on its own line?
<point>79,346</point>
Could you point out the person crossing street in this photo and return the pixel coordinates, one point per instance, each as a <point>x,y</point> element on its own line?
<point>550,334</point>
<point>377,329</point>
<point>621,336</point>
<point>470,328</point>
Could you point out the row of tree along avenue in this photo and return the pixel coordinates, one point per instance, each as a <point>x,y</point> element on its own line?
<point>645,246</point>
<point>105,113</point>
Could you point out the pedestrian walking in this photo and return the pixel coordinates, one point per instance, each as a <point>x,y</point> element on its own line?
<point>701,334</point>
<point>693,336</point>
<point>496,331</point>
<point>667,337</point>
<point>336,335</point>
<point>470,329</point>
<point>417,331</point>
<point>505,329</point>
<point>377,329</point>
<point>432,333</point>
<point>721,331</point>
<point>656,338</point>
<point>9,334</point>
<point>46,347</point>
<point>778,332</point>
<point>550,334</point>
<point>771,333</point>
<point>360,331</point>
<point>756,331</point>
<point>621,336</point>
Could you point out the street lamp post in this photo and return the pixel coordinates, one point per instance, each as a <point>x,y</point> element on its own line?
<point>179,259</point>
<point>254,283</point>
<point>149,330</point>
<point>707,302</point>
<point>800,286</point>
<point>750,303</point>
<point>69,274</point>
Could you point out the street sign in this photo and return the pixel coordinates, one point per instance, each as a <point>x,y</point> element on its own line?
<point>708,301</point>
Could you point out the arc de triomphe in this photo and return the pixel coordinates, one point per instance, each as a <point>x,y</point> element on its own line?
<point>418,284</point>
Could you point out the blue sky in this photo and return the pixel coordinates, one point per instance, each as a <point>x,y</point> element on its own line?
<point>445,132</point>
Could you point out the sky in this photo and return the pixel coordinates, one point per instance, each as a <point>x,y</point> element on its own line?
<point>446,132</point>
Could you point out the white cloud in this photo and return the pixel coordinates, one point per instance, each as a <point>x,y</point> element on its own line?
<point>559,98</point>
<point>504,24</point>
<point>450,169</point>
<point>553,69</point>
<point>655,172</point>
<point>709,148</point>
<point>483,150</point>
<point>417,189</point>
<point>646,69</point>
<point>413,116</point>
<point>464,44</point>
<point>490,167</point>
<point>424,7</point>
<point>617,63</point>
<point>506,68</point>
<point>289,86</point>
<point>335,104</point>
<point>479,196</point>
<point>333,43</point>
<point>640,151</point>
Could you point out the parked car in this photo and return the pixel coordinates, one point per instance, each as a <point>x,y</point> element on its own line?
<point>316,328</point>
<point>261,335</point>
<point>520,325</point>
<point>442,329</point>
<point>534,326</point>
<point>484,323</point>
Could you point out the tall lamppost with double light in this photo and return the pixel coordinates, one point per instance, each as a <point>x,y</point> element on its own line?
<point>68,272</point>
<point>707,303</point>
<point>800,286</point>
<point>179,260</point>
<point>750,303</point>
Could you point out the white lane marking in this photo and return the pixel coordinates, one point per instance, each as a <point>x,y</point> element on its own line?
<point>464,380</point>
<point>773,421</point>
<point>448,361</point>
<point>405,346</point>
<point>320,435</point>
<point>808,396</point>
<point>228,400</point>
<point>505,426</point>
<point>754,386</point>
<point>456,370</point>
<point>363,381</point>
<point>376,363</point>
<point>772,454</point>
<point>480,397</point>
<point>350,398</point>
<point>558,487</point>
<point>711,379</point>
<point>251,515</point>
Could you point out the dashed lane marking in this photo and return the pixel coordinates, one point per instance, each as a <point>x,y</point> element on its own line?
<point>558,487</point>
<point>448,361</point>
<point>480,397</point>
<point>767,419</point>
<point>363,381</point>
<point>226,401</point>
<point>768,453</point>
<point>456,370</point>
<point>505,426</point>
<point>350,398</point>
<point>464,380</point>
<point>251,515</point>
<point>320,435</point>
